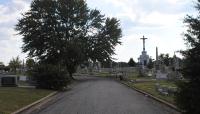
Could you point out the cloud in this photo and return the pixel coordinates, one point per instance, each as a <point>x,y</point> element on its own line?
<point>10,43</point>
<point>159,20</point>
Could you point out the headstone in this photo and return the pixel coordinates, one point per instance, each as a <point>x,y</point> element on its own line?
<point>8,80</point>
<point>161,75</point>
<point>23,78</point>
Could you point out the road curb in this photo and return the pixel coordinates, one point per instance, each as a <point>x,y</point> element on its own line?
<point>34,103</point>
<point>153,97</point>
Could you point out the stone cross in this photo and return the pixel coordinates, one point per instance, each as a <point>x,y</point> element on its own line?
<point>143,42</point>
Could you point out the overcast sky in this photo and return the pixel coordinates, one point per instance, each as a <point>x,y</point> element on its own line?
<point>161,21</point>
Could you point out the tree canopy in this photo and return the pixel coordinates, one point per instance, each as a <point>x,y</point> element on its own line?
<point>68,32</point>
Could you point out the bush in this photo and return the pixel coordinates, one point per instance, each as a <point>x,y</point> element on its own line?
<point>188,97</point>
<point>50,77</point>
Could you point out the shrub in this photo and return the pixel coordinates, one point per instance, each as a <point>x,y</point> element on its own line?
<point>188,98</point>
<point>50,77</point>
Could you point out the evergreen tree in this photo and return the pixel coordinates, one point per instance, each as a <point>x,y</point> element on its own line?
<point>131,62</point>
<point>188,97</point>
<point>2,66</point>
<point>150,64</point>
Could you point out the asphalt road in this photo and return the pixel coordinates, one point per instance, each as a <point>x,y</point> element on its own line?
<point>94,95</point>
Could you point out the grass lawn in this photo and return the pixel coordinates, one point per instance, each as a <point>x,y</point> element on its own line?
<point>136,75</point>
<point>14,98</point>
<point>150,88</point>
<point>23,83</point>
<point>103,74</point>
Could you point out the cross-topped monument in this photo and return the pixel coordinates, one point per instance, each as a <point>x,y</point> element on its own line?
<point>143,42</point>
<point>144,58</point>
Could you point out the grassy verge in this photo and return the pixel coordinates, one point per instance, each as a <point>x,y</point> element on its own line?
<point>150,88</point>
<point>13,98</point>
<point>102,74</point>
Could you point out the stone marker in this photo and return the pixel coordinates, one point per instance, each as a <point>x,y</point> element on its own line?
<point>8,80</point>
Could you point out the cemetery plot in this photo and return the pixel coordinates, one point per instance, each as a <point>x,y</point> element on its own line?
<point>164,91</point>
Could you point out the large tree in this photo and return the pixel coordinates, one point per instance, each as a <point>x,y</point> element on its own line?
<point>188,97</point>
<point>68,33</point>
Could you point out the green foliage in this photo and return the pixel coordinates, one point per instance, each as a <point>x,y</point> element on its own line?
<point>165,59</point>
<point>14,64</point>
<point>7,68</point>
<point>188,96</point>
<point>150,64</point>
<point>30,63</point>
<point>50,77</point>
<point>67,32</point>
<point>121,64</point>
<point>131,62</point>
<point>2,66</point>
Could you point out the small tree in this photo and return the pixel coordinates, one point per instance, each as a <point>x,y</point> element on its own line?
<point>131,62</point>
<point>14,64</point>
<point>2,66</point>
<point>50,77</point>
<point>165,59</point>
<point>30,63</point>
<point>150,64</point>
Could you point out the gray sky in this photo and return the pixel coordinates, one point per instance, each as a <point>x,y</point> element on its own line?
<point>161,21</point>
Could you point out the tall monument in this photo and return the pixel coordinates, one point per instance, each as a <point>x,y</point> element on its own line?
<point>157,60</point>
<point>144,58</point>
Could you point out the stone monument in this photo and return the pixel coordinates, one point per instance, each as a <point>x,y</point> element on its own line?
<point>157,63</point>
<point>144,58</point>
<point>8,80</point>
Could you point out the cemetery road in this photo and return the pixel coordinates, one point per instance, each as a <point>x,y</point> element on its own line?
<point>93,95</point>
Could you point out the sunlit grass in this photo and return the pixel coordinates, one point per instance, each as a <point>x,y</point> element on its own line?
<point>13,98</point>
